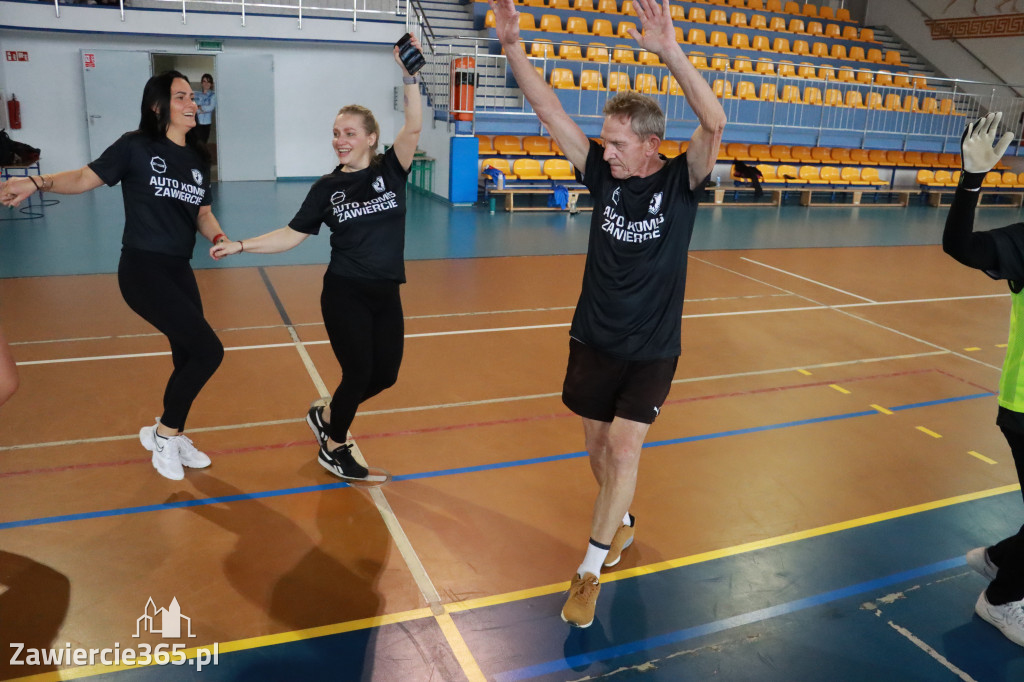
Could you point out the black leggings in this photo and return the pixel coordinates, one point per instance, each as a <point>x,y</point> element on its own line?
<point>1008,555</point>
<point>367,331</point>
<point>162,290</point>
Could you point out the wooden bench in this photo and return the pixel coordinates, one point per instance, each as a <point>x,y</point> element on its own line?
<point>510,194</point>
<point>936,197</point>
<point>807,196</point>
<point>718,196</point>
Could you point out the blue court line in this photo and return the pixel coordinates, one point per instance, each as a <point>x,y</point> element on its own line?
<point>726,623</point>
<point>466,470</point>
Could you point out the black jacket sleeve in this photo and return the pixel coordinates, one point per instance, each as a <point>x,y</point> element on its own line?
<point>959,240</point>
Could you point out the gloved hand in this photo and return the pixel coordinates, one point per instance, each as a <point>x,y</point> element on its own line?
<point>977,152</point>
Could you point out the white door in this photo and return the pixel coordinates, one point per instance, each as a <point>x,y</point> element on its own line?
<point>114,80</point>
<point>245,117</point>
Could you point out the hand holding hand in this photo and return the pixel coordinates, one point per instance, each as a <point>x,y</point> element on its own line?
<point>224,248</point>
<point>976,145</point>
<point>16,190</point>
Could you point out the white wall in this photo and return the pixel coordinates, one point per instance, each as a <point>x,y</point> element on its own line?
<point>1000,57</point>
<point>312,81</point>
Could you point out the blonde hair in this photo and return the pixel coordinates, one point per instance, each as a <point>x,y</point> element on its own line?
<point>370,124</point>
<point>644,114</point>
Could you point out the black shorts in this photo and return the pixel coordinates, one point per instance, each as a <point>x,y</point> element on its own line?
<point>600,387</point>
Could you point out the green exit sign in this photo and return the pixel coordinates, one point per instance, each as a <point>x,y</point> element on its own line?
<point>210,45</point>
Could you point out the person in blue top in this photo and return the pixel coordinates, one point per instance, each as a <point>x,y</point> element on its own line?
<point>164,172</point>
<point>207,102</point>
<point>999,254</point>
<point>362,201</point>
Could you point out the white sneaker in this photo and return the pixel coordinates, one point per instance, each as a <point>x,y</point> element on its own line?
<point>165,457</point>
<point>978,559</point>
<point>1009,617</point>
<point>189,455</point>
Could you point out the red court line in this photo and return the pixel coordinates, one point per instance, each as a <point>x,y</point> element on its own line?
<point>497,422</point>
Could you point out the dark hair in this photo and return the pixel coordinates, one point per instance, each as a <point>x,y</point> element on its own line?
<point>206,77</point>
<point>155,112</point>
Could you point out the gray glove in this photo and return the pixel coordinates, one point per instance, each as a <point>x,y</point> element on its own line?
<point>977,151</point>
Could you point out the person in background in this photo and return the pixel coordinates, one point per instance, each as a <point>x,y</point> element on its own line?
<point>207,103</point>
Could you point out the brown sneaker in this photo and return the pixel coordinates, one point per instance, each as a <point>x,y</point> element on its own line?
<point>579,608</point>
<point>623,539</point>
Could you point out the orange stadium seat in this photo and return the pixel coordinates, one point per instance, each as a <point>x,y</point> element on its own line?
<point>739,41</point>
<point>577,25</point>
<point>558,169</point>
<point>698,16</point>
<point>851,176</point>
<point>622,30</point>
<point>602,27</point>
<point>843,14</point>
<point>618,81</point>
<point>536,145</point>
<point>746,90</point>
<point>485,145</point>
<point>768,92</point>
<point>591,80</point>
<point>833,98</point>
<point>570,50</point>
<point>527,169</point>
<point>508,145</point>
<point>562,79</point>
<point>499,164</point>
<point>551,22</point>
<point>738,20</point>
<point>597,52</point>
<point>670,85</point>
<point>669,148</point>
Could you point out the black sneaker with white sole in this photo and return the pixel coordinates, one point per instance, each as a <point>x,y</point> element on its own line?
<point>315,419</point>
<point>341,463</point>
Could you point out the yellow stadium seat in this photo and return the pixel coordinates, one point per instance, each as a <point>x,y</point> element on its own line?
<point>738,20</point>
<point>893,57</point>
<point>583,5</point>
<point>537,145</point>
<point>485,145</point>
<point>892,102</point>
<point>602,27</point>
<point>912,159</point>
<point>781,45</point>
<point>559,4</point>
<point>739,41</point>
<point>627,7</point>
<point>854,99</point>
<point>856,54</point>
<point>791,7</point>
<point>527,169</point>
<point>883,79</point>
<point>833,98</point>
<point>570,50</point>
<point>551,22</point>
<point>851,176</point>
<point>930,159</point>
<point>698,60</point>
<point>669,149</point>
<point>867,35</point>
<point>647,84</point>
<point>670,85</point>
<point>941,178</point>
<point>846,75</point>
<point>773,5</point>
<point>769,174</point>
<point>789,174</point>
<point>760,43</point>
<point>623,54</point>
<point>622,30</point>
<point>648,58</point>
<point>826,73</point>
<point>591,80</point>
<point>830,175</point>
<point>821,154</point>
<point>787,69</point>
<point>801,47</point>
<point>809,10</point>
<point>527,22</point>
<point>870,177</point>
<point>874,55</point>
<point>745,90</point>
<point>864,78</point>
<point>756,5</point>
<point>698,16</point>
<point>577,25</point>
<point>874,100</point>
<point>812,95</point>
<point>678,13</point>
<point>925,176</point>
<point>489,21</point>
<point>796,26</point>
<point>597,52</point>
<point>722,88</point>
<point>929,105</point>
<point>946,106</point>
<point>558,169</point>
<point>843,14</point>
<point>806,70</point>
<point>819,50</point>
<point>719,17</point>
<point>719,62</point>
<point>825,12</point>
<point>562,79</point>
<point>759,152</point>
<point>499,164</point>
<point>800,154</point>
<point>777,24</point>
<point>790,93</point>
<point>849,33</point>
<point>832,31</point>
<point>814,28</point>
<point>696,36</point>
<point>618,81</point>
<point>900,80</point>
<point>742,65</point>
<point>542,48</point>
<point>810,175</point>
<point>768,92</point>
<point>894,157</point>
<point>838,52</point>
<point>840,155</point>
<point>765,66</point>
<point>508,145</point>
<point>758,22</point>
<point>718,39</point>
<point>859,157</point>
<point>607,7</point>
<point>780,152</point>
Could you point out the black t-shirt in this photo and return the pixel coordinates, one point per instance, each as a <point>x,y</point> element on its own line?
<point>631,304</point>
<point>365,211</point>
<point>163,186</point>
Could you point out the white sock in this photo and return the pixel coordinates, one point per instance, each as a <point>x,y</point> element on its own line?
<point>596,554</point>
<point>627,520</point>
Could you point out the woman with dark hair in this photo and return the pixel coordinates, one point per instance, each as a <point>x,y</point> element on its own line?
<point>363,203</point>
<point>164,173</point>
<point>207,102</point>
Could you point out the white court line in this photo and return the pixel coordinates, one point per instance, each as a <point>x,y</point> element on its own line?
<point>487,401</point>
<point>806,279</point>
<point>839,309</point>
<point>920,644</point>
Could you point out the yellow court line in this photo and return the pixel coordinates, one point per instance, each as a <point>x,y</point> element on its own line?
<point>519,595</point>
<point>972,349</point>
<point>880,408</point>
<point>839,388</point>
<point>982,457</point>
<point>928,431</point>
<point>1000,345</point>
<point>804,372</point>
<point>460,648</point>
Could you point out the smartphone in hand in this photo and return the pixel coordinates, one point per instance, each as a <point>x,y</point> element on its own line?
<point>412,58</point>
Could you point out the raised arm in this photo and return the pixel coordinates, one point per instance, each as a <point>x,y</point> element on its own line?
<point>570,138</point>
<point>16,190</point>
<point>658,35</point>
<point>409,136</point>
<point>959,240</point>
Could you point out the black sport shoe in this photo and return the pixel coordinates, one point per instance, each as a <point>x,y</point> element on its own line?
<point>315,419</point>
<point>341,463</point>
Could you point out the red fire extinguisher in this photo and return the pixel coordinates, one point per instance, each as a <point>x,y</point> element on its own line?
<point>14,112</point>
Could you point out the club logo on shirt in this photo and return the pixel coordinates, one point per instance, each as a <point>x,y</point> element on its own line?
<point>378,184</point>
<point>158,165</point>
<point>197,176</point>
<point>655,204</point>
<point>337,198</point>
<point>615,196</point>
